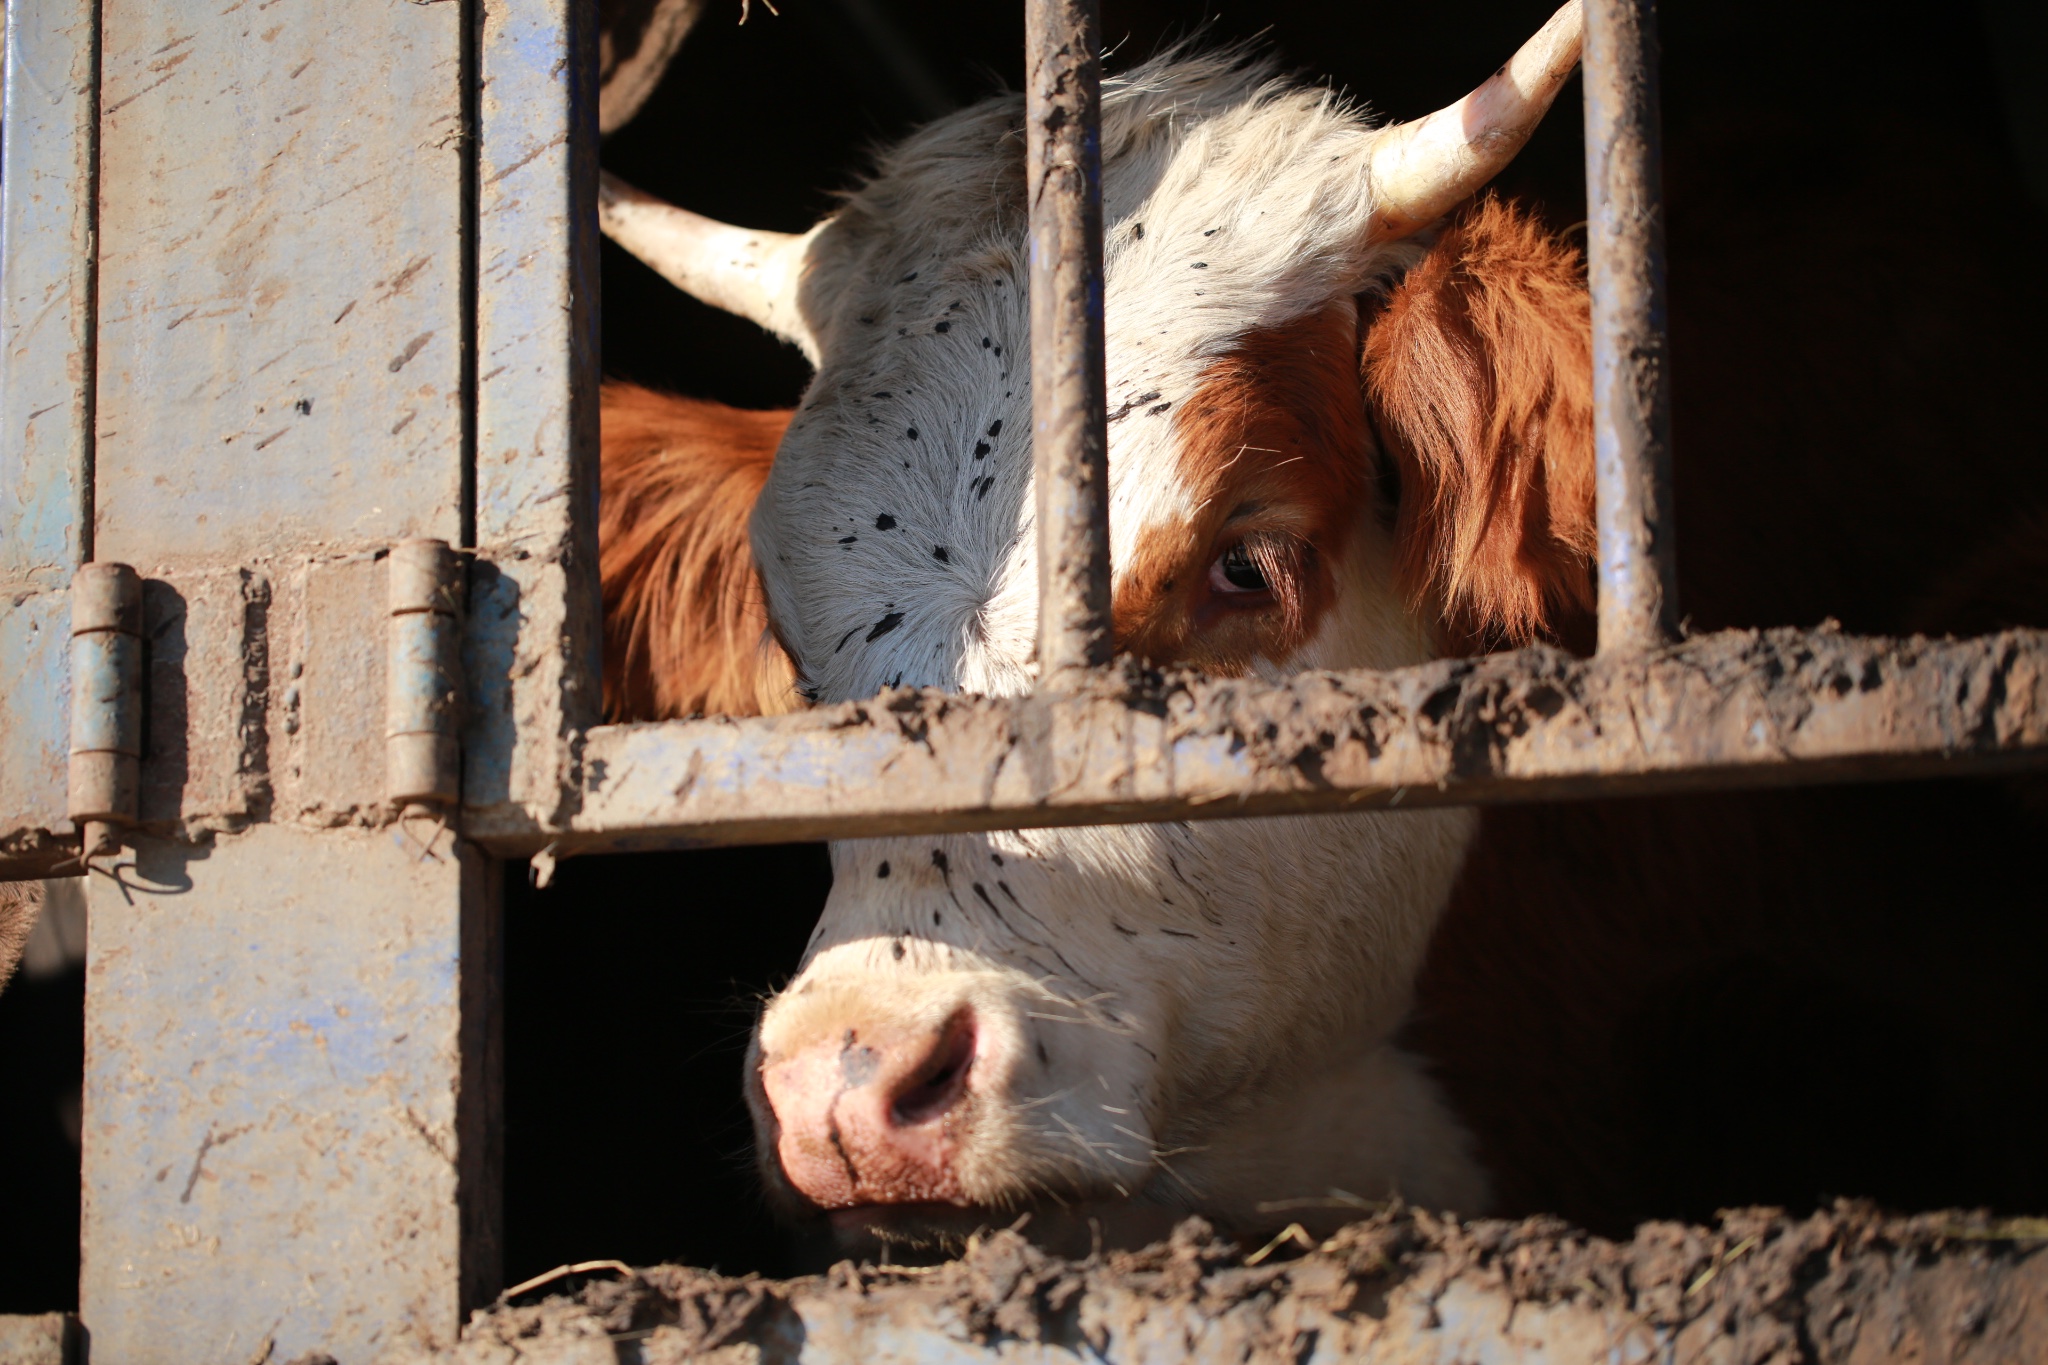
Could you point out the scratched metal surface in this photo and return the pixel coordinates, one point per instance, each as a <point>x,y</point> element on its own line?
<point>45,278</point>
<point>532,649</point>
<point>280,320</point>
<point>272,1086</point>
<point>35,722</point>
<point>45,330</point>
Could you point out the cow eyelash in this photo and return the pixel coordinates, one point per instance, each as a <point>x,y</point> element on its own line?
<point>1239,573</point>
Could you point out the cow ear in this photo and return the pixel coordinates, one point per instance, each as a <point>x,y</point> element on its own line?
<point>1478,375</point>
<point>685,623</point>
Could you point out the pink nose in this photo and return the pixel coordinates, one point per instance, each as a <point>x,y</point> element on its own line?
<point>874,1115</point>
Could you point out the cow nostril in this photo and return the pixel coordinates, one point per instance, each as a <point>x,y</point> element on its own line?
<point>941,1081</point>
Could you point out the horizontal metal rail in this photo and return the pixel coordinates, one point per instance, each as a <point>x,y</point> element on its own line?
<point>1741,708</point>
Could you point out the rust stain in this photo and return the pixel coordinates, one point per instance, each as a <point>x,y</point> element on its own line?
<point>412,348</point>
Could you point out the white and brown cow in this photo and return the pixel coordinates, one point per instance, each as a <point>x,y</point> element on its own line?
<point>1350,428</point>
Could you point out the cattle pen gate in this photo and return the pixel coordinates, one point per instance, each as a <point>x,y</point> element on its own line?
<point>299,627</point>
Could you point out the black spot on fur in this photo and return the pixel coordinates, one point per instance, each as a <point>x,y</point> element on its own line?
<point>1043,1060</point>
<point>908,278</point>
<point>869,321</point>
<point>835,649</point>
<point>1210,233</point>
<point>943,327</point>
<point>884,626</point>
<point>1154,412</point>
<point>911,432</point>
<point>995,428</point>
<point>986,483</point>
<point>939,553</point>
<point>1199,265</point>
<point>981,449</point>
<point>883,394</point>
<point>939,860</point>
<point>1138,231</point>
<point>986,342</point>
<point>883,870</point>
<point>885,522</point>
<point>848,540</point>
<point>896,950</point>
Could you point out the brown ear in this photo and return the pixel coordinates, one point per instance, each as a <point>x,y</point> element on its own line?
<point>685,627</point>
<point>1479,376</point>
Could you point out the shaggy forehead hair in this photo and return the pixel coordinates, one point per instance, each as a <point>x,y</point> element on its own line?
<point>895,533</point>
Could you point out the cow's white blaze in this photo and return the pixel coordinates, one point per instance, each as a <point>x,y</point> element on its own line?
<point>1194,1014</point>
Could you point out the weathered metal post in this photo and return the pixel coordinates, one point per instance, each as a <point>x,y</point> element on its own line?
<point>1069,411</point>
<point>1631,352</point>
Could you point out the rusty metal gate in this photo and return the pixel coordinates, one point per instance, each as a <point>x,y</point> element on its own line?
<point>299,620</point>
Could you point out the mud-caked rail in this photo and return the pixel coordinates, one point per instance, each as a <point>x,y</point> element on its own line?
<point>1740,708</point>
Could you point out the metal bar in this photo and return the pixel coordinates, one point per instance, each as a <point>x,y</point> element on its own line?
<point>1741,708</point>
<point>531,647</point>
<point>1069,407</point>
<point>1631,363</point>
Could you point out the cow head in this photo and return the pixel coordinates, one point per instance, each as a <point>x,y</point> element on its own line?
<point>1344,432</point>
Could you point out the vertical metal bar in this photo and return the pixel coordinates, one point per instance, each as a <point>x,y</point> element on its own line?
<point>532,643</point>
<point>1069,411</point>
<point>1631,361</point>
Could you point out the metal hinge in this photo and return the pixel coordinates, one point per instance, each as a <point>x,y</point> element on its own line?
<point>106,705</point>
<point>423,708</point>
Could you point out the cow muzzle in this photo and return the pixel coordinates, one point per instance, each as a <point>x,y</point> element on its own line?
<point>878,1113</point>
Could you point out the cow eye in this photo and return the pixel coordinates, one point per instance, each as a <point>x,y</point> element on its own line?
<point>1234,572</point>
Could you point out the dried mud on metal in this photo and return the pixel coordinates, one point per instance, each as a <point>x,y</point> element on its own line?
<point>1847,1285</point>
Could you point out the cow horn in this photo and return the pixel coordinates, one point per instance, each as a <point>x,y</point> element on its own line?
<point>1422,170</point>
<point>754,274</point>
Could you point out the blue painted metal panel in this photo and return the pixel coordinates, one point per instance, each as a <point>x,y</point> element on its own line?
<point>45,401</point>
<point>532,653</point>
<point>280,288</point>
<point>45,284</point>
<point>274,1059</point>
<point>35,718</point>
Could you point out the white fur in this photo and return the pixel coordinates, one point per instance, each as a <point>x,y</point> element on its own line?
<point>1215,999</point>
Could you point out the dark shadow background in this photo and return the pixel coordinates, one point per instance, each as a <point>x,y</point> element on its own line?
<point>1855,195</point>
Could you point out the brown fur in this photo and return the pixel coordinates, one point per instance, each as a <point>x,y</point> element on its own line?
<point>686,630</point>
<point>20,902</point>
<point>1273,448</point>
<point>1478,378</point>
<point>1479,374</point>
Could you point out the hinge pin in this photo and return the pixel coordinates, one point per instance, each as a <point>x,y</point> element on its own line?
<point>422,718</point>
<point>106,704</point>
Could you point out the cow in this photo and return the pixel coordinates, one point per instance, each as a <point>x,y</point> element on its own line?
<point>1350,427</point>
<point>1304,312</point>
